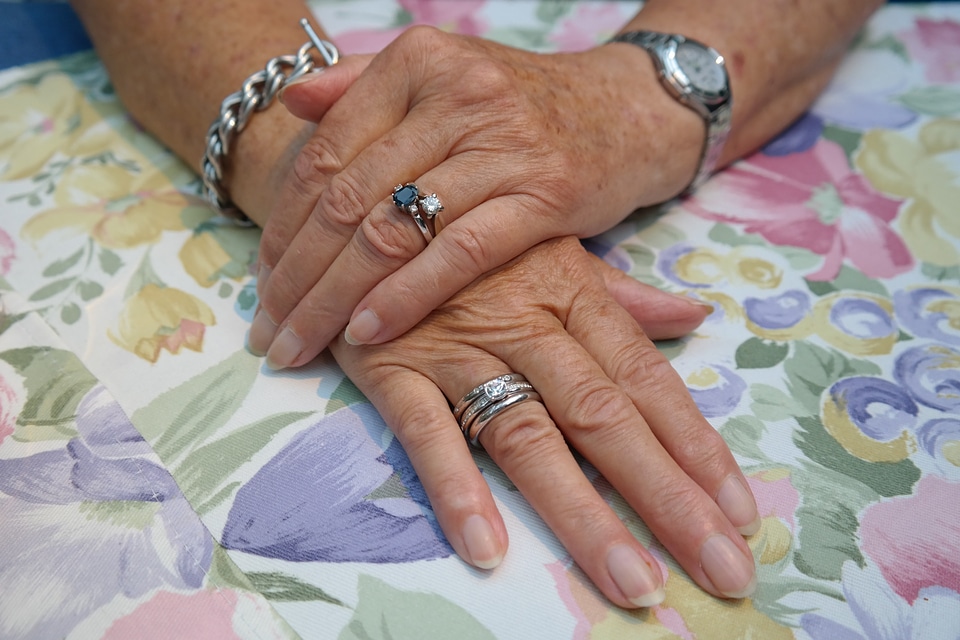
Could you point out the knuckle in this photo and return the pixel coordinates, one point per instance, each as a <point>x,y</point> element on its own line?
<point>597,407</point>
<point>701,447</point>
<point>520,437</point>
<point>342,202</point>
<point>676,503</point>
<point>645,366</point>
<point>417,424</point>
<point>315,162</point>
<point>466,249</point>
<point>386,241</point>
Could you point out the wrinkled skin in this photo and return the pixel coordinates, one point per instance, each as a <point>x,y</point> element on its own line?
<point>610,393</point>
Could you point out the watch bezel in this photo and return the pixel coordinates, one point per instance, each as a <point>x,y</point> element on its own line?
<point>678,78</point>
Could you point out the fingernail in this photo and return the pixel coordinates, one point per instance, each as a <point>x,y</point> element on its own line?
<point>481,542</point>
<point>634,577</point>
<point>363,328</point>
<point>263,274</point>
<point>739,506</point>
<point>261,333</point>
<point>304,78</point>
<point>284,350</point>
<point>697,303</point>
<point>728,569</point>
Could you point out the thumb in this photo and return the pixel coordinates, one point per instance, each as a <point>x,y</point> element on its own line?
<point>311,95</point>
<point>662,315</point>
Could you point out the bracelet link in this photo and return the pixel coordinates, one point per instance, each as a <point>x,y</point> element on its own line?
<point>256,94</point>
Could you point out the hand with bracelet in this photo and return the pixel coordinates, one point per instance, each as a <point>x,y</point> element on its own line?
<point>518,147</point>
<point>601,397</point>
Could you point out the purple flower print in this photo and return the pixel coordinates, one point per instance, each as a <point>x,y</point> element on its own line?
<point>881,614</point>
<point>718,392</point>
<point>931,374</point>
<point>926,312</point>
<point>937,433</point>
<point>799,136</point>
<point>863,94</point>
<point>877,407</point>
<point>778,312</point>
<point>313,501</point>
<point>131,530</point>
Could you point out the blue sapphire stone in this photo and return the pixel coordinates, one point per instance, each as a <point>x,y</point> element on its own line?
<point>406,196</point>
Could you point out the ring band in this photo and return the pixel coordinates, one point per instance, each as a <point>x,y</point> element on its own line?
<point>485,401</point>
<point>423,209</point>
<point>488,414</point>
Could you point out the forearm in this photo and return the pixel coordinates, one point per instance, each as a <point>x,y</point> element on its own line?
<point>780,54</point>
<point>173,61</point>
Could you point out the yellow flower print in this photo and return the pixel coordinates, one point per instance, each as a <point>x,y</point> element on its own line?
<point>37,121</point>
<point>859,323</point>
<point>918,170</point>
<point>118,208</point>
<point>219,251</point>
<point>740,266</point>
<point>159,318</point>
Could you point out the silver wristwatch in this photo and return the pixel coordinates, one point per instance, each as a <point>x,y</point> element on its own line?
<point>696,75</point>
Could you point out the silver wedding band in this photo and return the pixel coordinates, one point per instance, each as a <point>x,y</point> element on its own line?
<point>423,209</point>
<point>486,401</point>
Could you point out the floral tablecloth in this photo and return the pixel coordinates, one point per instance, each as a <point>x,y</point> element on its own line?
<point>156,480</point>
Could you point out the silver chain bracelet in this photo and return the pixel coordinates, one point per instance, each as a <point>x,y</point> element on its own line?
<point>257,93</point>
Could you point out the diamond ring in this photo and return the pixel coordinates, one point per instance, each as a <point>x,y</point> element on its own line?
<point>423,209</point>
<point>476,409</point>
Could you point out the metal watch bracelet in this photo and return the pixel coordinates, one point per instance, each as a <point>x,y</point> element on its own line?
<point>256,94</point>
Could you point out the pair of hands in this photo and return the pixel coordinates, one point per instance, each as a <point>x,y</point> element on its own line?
<point>519,155</point>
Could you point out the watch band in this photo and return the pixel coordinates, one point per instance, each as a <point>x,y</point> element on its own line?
<point>713,105</point>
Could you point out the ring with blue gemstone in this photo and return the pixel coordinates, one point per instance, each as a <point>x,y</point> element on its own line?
<point>423,209</point>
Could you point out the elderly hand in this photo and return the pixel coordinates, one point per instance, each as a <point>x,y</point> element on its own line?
<point>520,147</point>
<point>606,391</point>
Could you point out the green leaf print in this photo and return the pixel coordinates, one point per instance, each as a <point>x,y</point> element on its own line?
<point>110,262</point>
<point>742,433</point>
<point>284,588</point>
<point>55,381</point>
<point>344,395</point>
<point>848,279</point>
<point>180,420</point>
<point>756,353</point>
<point>386,613</point>
<point>59,267</point>
<point>885,478</point>
<point>939,101</point>
<point>811,369</point>
<point>202,472</point>
<point>52,289</point>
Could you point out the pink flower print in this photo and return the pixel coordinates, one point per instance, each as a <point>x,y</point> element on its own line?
<point>7,253</point>
<point>202,614</point>
<point>591,24</point>
<point>812,200</point>
<point>12,396</point>
<point>936,44</point>
<point>460,16</point>
<point>775,495</point>
<point>915,540</point>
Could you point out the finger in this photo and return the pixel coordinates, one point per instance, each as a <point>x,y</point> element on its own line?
<point>341,208</point>
<point>479,241</point>
<point>310,96</point>
<point>603,423</point>
<point>420,417</point>
<point>529,449</point>
<point>663,316</point>
<point>654,386</point>
<point>380,94</point>
<point>384,242</point>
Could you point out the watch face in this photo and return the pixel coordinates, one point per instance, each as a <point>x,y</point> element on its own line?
<point>701,67</point>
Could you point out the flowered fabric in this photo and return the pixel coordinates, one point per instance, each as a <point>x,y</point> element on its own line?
<point>157,481</point>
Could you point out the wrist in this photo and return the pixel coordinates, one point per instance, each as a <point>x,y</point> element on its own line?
<point>262,159</point>
<point>662,139</point>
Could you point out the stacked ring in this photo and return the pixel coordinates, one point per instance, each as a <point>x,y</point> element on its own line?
<point>476,409</point>
<point>423,209</point>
